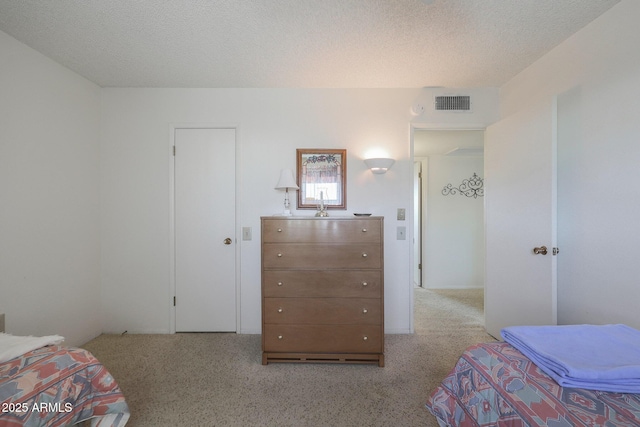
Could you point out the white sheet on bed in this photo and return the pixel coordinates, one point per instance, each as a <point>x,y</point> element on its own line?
<point>12,346</point>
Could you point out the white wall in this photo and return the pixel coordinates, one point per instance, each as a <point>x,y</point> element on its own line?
<point>272,123</point>
<point>85,197</point>
<point>454,238</point>
<point>49,116</point>
<point>596,74</point>
<point>49,215</point>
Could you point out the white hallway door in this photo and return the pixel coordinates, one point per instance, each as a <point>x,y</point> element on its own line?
<point>520,215</point>
<point>205,254</point>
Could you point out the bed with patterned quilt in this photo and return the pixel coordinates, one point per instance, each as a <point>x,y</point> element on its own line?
<point>494,384</point>
<point>59,386</point>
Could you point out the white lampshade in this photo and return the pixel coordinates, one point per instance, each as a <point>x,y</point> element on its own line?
<point>379,165</point>
<point>286,180</point>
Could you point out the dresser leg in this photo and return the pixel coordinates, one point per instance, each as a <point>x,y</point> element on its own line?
<point>381,361</point>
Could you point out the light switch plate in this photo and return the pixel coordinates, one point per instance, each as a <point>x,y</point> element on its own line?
<point>401,214</point>
<point>401,233</point>
<point>246,233</point>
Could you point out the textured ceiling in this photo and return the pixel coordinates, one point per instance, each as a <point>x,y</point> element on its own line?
<point>296,43</point>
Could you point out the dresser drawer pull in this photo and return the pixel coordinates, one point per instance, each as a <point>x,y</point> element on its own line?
<point>364,284</point>
<point>364,255</point>
<point>279,255</point>
<point>279,283</point>
<point>365,338</point>
<point>365,311</point>
<point>279,310</point>
<point>279,230</point>
<point>364,230</point>
<point>279,337</point>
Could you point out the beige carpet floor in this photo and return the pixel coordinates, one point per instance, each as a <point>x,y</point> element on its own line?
<point>218,379</point>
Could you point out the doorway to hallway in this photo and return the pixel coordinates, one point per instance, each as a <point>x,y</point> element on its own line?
<point>449,227</point>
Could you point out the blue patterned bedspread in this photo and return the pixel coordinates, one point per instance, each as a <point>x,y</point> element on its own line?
<point>493,384</point>
<point>57,386</point>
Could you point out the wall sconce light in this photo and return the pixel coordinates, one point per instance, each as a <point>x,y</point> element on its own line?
<point>379,165</point>
<point>286,182</point>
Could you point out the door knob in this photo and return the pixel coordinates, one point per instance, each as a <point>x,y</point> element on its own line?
<point>542,250</point>
<point>227,241</point>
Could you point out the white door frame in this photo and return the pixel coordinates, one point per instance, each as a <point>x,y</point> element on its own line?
<point>418,214</point>
<point>172,228</point>
<point>429,126</point>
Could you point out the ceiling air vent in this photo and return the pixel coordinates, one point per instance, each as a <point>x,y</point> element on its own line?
<point>453,103</point>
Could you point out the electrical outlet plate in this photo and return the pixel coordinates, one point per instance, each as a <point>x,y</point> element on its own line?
<point>401,233</point>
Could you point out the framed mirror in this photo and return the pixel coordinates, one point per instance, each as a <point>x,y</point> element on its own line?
<point>322,175</point>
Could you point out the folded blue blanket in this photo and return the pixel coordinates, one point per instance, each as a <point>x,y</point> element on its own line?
<point>595,357</point>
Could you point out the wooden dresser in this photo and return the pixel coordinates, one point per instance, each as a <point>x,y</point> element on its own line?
<point>322,290</point>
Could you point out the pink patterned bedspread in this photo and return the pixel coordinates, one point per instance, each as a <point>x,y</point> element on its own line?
<point>57,386</point>
<point>493,384</point>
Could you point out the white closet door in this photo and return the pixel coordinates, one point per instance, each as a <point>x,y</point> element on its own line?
<point>205,260</point>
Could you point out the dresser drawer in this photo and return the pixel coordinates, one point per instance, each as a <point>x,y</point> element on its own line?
<point>321,283</point>
<point>321,230</point>
<point>321,256</point>
<point>323,311</point>
<point>322,338</point>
